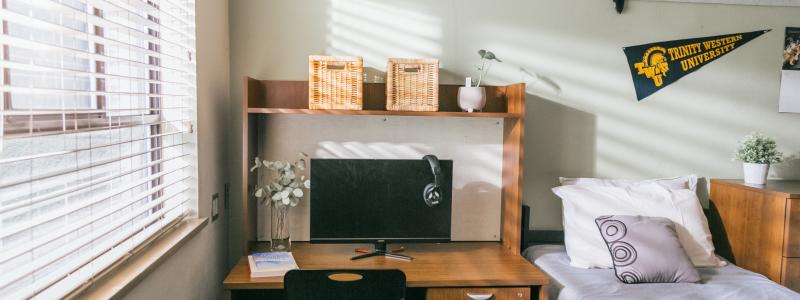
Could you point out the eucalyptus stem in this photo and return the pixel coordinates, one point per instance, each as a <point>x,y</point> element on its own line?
<point>280,222</point>
<point>480,75</point>
<point>483,70</point>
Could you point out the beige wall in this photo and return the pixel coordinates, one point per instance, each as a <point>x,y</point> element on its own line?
<point>196,270</point>
<point>583,117</point>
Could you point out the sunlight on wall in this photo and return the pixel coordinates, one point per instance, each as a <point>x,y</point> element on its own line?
<point>378,31</point>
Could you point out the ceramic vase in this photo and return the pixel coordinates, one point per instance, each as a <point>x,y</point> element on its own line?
<point>755,173</point>
<point>281,239</point>
<point>471,98</point>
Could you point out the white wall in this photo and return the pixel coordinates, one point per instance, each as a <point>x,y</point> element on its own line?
<point>197,270</point>
<point>586,120</point>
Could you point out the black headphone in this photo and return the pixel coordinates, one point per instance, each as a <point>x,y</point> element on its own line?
<point>432,194</point>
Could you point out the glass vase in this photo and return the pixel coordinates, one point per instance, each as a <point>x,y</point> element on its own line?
<point>279,229</point>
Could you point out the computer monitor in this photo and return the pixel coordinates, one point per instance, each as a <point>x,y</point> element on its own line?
<point>378,201</point>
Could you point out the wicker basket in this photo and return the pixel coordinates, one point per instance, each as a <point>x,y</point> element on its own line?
<point>335,82</point>
<point>412,84</point>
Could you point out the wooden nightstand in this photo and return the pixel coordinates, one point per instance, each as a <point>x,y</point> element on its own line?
<point>762,226</point>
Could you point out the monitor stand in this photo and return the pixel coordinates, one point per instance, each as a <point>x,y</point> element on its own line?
<point>380,250</point>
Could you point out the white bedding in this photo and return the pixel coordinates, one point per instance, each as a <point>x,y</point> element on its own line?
<point>570,283</point>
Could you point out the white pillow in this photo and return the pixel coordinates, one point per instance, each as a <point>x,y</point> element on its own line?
<point>584,203</point>
<point>674,183</point>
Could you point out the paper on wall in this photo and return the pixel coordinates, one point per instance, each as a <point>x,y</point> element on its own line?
<point>790,92</point>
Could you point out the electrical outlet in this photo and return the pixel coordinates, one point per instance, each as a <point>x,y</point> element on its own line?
<point>214,206</point>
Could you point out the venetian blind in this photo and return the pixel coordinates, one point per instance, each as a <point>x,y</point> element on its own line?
<point>96,154</point>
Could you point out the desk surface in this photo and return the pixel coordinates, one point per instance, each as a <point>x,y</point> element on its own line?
<point>458,264</point>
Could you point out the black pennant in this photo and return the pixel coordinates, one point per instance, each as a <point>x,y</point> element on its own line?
<point>657,65</point>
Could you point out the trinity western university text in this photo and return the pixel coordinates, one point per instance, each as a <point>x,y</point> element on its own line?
<point>712,48</point>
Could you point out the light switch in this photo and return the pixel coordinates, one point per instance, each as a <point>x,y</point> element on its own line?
<point>214,206</point>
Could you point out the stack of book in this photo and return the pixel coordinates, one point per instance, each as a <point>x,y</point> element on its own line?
<point>271,264</point>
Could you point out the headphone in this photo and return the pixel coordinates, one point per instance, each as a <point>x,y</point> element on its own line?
<point>432,194</point>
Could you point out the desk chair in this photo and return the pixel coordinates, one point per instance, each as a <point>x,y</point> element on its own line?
<point>345,284</point>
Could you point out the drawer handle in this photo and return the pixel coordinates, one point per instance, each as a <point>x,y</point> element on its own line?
<point>480,296</point>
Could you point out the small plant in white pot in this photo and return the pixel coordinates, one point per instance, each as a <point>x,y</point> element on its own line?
<point>757,151</point>
<point>473,98</point>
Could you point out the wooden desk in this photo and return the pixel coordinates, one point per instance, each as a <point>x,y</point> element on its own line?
<point>438,271</point>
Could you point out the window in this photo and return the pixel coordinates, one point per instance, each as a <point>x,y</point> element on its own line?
<point>97,103</point>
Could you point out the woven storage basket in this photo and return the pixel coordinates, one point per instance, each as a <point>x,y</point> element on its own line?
<point>335,82</point>
<point>412,84</point>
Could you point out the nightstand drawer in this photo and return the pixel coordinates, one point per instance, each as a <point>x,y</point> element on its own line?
<point>489,293</point>
<point>791,246</point>
<point>791,273</point>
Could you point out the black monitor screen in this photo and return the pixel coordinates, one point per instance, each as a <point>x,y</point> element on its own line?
<point>364,200</point>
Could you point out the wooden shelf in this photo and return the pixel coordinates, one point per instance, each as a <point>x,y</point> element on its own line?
<point>457,114</point>
<point>264,98</point>
<point>291,97</point>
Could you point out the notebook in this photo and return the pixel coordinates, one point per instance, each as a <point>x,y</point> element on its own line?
<point>271,264</point>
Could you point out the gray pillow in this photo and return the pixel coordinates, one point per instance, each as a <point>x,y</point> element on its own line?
<point>646,249</point>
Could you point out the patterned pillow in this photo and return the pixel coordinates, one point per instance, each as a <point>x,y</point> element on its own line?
<point>646,249</point>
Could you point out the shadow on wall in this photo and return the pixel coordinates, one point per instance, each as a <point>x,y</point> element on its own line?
<point>789,168</point>
<point>559,141</point>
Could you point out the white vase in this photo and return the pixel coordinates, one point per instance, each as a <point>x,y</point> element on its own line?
<point>471,98</point>
<point>755,173</point>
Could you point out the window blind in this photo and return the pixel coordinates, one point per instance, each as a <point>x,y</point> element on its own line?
<point>96,152</point>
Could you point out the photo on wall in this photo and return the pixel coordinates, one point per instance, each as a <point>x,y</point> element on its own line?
<point>791,49</point>
<point>789,98</point>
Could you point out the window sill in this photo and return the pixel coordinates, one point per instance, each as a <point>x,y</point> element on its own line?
<point>125,276</point>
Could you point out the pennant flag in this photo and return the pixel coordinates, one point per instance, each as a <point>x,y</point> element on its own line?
<point>657,65</point>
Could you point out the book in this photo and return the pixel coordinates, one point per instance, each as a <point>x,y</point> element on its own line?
<point>271,264</point>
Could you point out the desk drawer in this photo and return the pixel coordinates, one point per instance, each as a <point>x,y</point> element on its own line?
<point>488,293</point>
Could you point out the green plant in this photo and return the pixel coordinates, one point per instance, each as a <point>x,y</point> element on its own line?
<point>487,58</point>
<point>757,148</point>
<point>286,188</point>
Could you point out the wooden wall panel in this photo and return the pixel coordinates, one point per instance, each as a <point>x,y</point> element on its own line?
<point>513,155</point>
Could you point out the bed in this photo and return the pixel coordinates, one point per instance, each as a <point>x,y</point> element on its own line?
<point>570,283</point>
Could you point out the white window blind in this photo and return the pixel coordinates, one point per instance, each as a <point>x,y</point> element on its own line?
<point>96,154</point>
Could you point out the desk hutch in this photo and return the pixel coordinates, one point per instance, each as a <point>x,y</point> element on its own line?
<point>507,275</point>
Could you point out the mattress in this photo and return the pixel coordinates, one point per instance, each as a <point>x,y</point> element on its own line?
<point>570,283</point>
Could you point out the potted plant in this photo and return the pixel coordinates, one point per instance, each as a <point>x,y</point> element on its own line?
<point>474,98</point>
<point>283,192</point>
<point>757,152</point>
